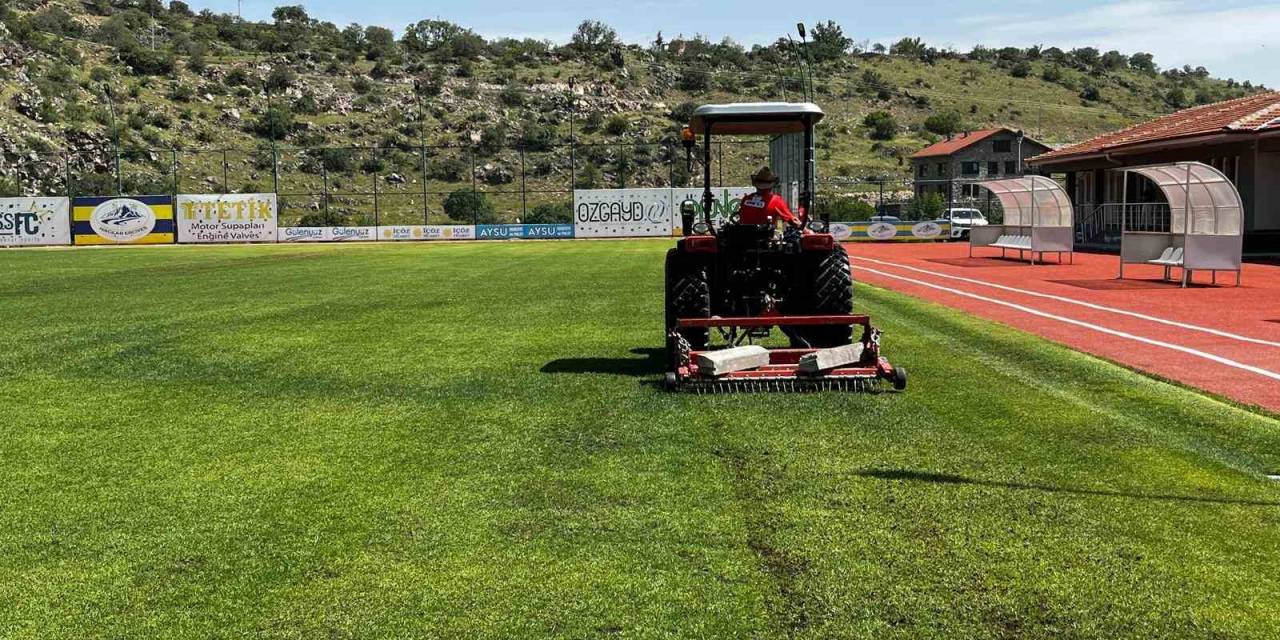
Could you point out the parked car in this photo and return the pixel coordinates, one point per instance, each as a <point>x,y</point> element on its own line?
<point>963,219</point>
<point>888,219</point>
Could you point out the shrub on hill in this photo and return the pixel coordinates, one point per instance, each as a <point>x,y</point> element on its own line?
<point>880,125</point>
<point>473,207</point>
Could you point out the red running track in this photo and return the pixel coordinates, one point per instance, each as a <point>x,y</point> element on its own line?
<point>1223,339</point>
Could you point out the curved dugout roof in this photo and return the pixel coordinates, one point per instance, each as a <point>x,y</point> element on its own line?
<point>1202,201</point>
<point>1031,201</point>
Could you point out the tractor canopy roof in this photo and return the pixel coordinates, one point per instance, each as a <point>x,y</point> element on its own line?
<point>755,118</point>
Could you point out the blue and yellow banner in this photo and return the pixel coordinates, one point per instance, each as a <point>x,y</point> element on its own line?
<point>122,220</point>
<point>523,231</point>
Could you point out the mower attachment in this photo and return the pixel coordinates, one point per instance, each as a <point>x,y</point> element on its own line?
<point>783,371</point>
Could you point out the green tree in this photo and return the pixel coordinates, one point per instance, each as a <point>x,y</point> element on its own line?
<point>880,125</point>
<point>280,78</point>
<point>829,42</point>
<point>617,125</point>
<point>1143,62</point>
<point>945,123</point>
<point>926,207</point>
<point>275,123</point>
<point>465,205</point>
<point>593,36</point>
<point>550,213</point>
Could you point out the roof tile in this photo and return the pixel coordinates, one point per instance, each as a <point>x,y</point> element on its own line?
<point>955,143</point>
<point>1258,112</point>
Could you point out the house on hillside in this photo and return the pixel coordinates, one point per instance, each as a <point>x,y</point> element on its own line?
<point>1240,138</point>
<point>951,166</point>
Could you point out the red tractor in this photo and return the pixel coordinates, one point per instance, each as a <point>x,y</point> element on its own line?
<point>737,282</point>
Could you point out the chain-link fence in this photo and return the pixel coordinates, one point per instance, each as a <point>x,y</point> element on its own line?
<point>386,185</point>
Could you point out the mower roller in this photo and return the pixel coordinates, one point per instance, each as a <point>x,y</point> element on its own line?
<point>737,282</point>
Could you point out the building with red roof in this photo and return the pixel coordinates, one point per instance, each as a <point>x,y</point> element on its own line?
<point>951,166</point>
<point>1240,138</point>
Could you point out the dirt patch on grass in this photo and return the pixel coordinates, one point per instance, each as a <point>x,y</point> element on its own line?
<point>757,482</point>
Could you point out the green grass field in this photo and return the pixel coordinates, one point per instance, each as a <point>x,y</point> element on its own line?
<point>467,440</point>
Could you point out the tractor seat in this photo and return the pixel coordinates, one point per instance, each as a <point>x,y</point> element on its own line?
<point>747,235</point>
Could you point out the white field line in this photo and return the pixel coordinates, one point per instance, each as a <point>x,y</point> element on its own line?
<point>1266,373</point>
<point>1090,305</point>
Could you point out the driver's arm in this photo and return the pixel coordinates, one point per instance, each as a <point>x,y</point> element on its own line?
<point>779,208</point>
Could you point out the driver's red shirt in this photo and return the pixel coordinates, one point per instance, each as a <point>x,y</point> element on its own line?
<point>764,208</point>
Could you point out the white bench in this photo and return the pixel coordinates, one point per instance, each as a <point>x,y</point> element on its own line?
<point>1020,243</point>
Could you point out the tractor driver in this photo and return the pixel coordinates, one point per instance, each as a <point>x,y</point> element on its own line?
<point>764,206</point>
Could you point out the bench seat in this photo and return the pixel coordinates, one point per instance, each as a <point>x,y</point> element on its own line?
<point>1172,257</point>
<point>1020,243</point>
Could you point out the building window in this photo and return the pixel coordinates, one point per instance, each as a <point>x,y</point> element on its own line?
<point>923,170</point>
<point>1002,146</point>
<point>993,168</point>
<point>969,168</point>
<point>1010,167</point>
<point>942,169</point>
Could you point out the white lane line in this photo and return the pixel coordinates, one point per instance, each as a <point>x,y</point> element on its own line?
<point>1266,373</point>
<point>1098,307</point>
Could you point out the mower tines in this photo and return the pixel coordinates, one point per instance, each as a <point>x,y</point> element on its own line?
<point>785,369</point>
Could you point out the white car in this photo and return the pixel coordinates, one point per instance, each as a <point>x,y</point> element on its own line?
<point>962,220</point>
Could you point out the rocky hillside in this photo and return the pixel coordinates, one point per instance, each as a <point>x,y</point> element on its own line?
<point>79,75</point>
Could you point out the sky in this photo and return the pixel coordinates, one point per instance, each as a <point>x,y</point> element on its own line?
<point>1231,38</point>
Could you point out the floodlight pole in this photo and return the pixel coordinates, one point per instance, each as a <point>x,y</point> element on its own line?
<point>808,64</point>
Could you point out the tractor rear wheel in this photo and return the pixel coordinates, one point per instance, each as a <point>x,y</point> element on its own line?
<point>827,291</point>
<point>688,295</point>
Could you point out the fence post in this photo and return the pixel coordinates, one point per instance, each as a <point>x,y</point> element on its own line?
<point>471,155</point>
<point>671,164</point>
<point>426,214</point>
<point>324,173</point>
<point>66,163</point>
<point>376,218</point>
<point>175,172</point>
<point>226,188</point>
<point>573,165</point>
<point>721,164</point>
<point>524,191</point>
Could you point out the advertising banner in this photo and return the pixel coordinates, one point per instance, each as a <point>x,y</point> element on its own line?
<point>30,222</point>
<point>427,232</point>
<point>622,213</point>
<point>238,217</point>
<point>327,234</point>
<point>523,231</point>
<point>353,234</point>
<point>303,234</point>
<point>122,220</point>
<point>726,204</point>
<point>637,213</point>
<point>890,231</point>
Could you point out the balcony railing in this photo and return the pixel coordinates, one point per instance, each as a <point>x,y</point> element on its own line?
<point>1104,223</point>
